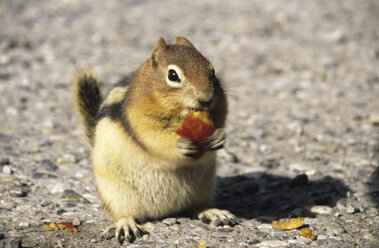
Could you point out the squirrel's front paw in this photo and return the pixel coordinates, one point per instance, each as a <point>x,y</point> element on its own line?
<point>126,227</point>
<point>217,140</point>
<point>188,148</point>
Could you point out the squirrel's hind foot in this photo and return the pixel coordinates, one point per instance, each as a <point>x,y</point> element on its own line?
<point>124,229</point>
<point>218,217</point>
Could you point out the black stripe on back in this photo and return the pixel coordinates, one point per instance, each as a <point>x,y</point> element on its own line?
<point>113,111</point>
<point>116,112</point>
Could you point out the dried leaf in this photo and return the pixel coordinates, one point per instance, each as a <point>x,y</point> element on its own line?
<point>51,227</point>
<point>292,224</point>
<point>307,233</point>
<point>200,245</point>
<point>67,226</point>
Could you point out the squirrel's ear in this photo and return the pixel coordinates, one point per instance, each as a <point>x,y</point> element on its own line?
<point>161,44</point>
<point>184,42</point>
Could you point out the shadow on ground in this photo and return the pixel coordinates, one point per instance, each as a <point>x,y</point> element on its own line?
<point>373,181</point>
<point>373,185</point>
<point>267,197</point>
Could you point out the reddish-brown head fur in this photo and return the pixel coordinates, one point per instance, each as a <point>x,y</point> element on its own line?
<point>193,84</point>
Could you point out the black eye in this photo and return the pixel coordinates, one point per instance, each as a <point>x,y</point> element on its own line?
<point>173,76</point>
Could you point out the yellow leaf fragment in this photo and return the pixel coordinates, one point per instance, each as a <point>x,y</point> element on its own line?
<point>67,226</point>
<point>200,245</point>
<point>292,224</point>
<point>307,233</point>
<point>51,227</point>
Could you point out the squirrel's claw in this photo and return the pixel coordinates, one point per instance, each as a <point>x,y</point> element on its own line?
<point>187,148</point>
<point>217,140</point>
<point>190,149</point>
<point>218,217</point>
<point>125,229</point>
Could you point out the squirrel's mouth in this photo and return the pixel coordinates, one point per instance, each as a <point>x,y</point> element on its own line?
<point>189,110</point>
<point>196,109</point>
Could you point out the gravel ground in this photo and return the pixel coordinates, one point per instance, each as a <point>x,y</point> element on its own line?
<point>303,130</point>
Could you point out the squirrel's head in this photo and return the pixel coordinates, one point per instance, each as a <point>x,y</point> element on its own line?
<point>179,77</point>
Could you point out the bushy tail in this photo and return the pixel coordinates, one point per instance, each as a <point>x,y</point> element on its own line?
<point>87,101</point>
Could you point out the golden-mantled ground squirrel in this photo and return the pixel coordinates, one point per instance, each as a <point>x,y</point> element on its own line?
<point>144,170</point>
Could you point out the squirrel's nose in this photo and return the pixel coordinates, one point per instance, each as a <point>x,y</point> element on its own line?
<point>206,103</point>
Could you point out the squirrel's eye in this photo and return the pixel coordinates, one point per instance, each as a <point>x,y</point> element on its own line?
<point>173,76</point>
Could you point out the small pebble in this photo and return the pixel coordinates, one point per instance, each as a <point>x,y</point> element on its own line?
<point>334,228</point>
<point>18,192</point>
<point>36,149</point>
<point>24,224</point>
<point>61,211</point>
<point>7,170</point>
<point>46,202</point>
<point>264,148</point>
<point>59,188</point>
<point>348,194</point>
<point>40,215</point>
<point>321,209</point>
<point>48,165</point>
<point>38,175</point>
<point>298,167</point>
<point>300,241</point>
<point>186,242</point>
<point>7,204</point>
<point>270,163</point>
<point>351,209</point>
<point>71,197</point>
<point>321,242</point>
<point>79,175</point>
<point>12,111</point>
<point>369,236</point>
<point>264,226</point>
<point>67,158</point>
<point>76,221</point>
<point>273,243</point>
<point>225,229</point>
<point>299,180</point>
<point>170,221</point>
<point>374,118</point>
<point>253,242</point>
<point>320,237</point>
<point>68,193</point>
